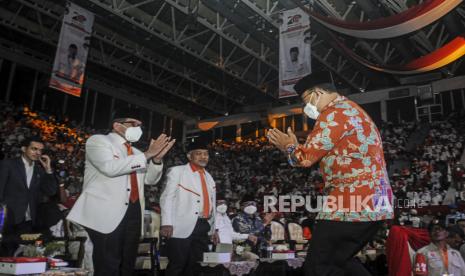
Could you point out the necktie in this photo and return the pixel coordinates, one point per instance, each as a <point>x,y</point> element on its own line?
<point>134,195</point>
<point>206,199</point>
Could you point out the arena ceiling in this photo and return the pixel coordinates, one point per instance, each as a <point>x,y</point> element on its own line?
<point>205,58</point>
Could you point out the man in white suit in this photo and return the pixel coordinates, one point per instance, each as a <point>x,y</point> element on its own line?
<point>112,201</point>
<point>188,212</point>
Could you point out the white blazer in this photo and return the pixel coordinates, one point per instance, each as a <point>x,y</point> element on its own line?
<point>181,199</point>
<point>105,194</point>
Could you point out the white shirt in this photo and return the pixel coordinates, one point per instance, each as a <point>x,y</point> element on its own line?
<point>225,230</point>
<point>29,168</point>
<point>29,171</point>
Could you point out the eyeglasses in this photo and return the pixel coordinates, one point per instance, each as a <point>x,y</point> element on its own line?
<point>132,123</point>
<point>308,95</point>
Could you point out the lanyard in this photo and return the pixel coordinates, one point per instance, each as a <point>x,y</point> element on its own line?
<point>445,259</point>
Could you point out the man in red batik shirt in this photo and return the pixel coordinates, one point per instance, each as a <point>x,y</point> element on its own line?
<point>347,145</point>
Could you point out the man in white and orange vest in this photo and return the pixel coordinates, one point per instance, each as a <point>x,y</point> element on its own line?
<point>188,212</point>
<point>438,258</point>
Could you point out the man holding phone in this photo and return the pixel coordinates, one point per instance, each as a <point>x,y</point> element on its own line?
<point>22,183</point>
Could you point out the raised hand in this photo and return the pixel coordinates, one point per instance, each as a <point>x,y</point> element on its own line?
<point>46,163</point>
<point>156,146</point>
<point>291,135</point>
<point>157,158</point>
<point>281,139</point>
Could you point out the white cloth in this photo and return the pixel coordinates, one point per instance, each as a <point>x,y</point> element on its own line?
<point>105,195</point>
<point>225,230</point>
<point>181,199</point>
<point>29,168</point>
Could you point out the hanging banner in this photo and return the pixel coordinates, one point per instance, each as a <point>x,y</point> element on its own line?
<point>73,47</point>
<point>294,50</point>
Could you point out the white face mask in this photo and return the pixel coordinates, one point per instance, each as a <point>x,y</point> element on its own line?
<point>222,208</point>
<point>133,134</point>
<point>311,111</point>
<point>250,210</point>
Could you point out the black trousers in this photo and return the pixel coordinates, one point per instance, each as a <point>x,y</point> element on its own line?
<point>12,237</point>
<point>115,253</point>
<point>333,247</point>
<point>183,254</point>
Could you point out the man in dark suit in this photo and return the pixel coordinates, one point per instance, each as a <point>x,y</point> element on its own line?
<point>22,182</point>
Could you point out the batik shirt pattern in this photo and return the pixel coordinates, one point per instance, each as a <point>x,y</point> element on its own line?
<point>348,145</point>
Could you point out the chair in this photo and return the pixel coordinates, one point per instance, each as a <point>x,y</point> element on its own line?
<point>295,232</point>
<point>147,256</point>
<point>80,250</point>
<point>296,237</point>
<point>277,232</point>
<point>147,262</point>
<point>152,224</point>
<point>83,251</point>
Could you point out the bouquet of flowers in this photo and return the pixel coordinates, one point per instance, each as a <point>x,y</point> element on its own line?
<point>240,249</point>
<point>51,249</point>
<point>243,251</point>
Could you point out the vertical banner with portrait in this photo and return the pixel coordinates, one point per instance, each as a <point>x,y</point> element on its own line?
<point>72,50</point>
<point>294,50</point>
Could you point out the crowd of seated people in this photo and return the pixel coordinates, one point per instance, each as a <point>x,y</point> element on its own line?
<point>435,176</point>
<point>395,138</point>
<point>255,168</point>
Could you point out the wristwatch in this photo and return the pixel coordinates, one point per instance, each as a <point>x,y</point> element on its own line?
<point>156,163</point>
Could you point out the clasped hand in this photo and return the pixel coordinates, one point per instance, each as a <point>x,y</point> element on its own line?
<point>280,139</point>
